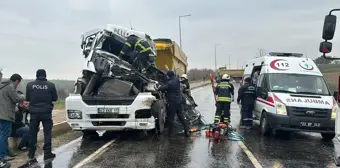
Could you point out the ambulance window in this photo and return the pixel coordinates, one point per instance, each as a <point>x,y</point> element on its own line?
<point>264,83</point>
<point>260,81</point>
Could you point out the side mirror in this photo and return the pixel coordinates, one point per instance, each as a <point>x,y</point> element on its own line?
<point>329,27</point>
<point>262,92</point>
<point>335,95</point>
<point>325,47</point>
<point>82,42</point>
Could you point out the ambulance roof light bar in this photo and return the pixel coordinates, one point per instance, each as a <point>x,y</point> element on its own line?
<point>282,54</point>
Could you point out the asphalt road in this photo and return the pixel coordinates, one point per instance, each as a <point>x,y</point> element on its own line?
<point>300,150</point>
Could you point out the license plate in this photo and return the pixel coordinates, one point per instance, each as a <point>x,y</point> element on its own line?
<point>108,110</point>
<point>309,124</point>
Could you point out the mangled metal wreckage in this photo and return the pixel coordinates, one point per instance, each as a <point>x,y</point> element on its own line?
<point>111,95</point>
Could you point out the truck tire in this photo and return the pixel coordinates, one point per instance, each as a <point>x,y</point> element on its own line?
<point>159,111</point>
<point>328,136</point>
<point>265,128</point>
<point>90,134</point>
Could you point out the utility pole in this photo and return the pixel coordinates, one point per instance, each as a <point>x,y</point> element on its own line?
<point>216,45</point>
<point>180,29</point>
<point>229,61</point>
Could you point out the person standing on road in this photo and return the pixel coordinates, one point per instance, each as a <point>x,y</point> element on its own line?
<point>41,95</point>
<point>174,99</point>
<point>8,100</point>
<point>225,93</point>
<point>247,96</point>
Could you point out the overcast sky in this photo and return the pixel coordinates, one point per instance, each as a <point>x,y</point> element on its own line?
<point>46,34</point>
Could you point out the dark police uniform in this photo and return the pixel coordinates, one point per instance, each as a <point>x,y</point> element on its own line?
<point>174,99</point>
<point>41,94</point>
<point>224,91</point>
<point>139,50</point>
<point>247,96</point>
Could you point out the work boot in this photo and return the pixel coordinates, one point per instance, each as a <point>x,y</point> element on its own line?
<point>49,155</point>
<point>4,164</point>
<point>187,134</point>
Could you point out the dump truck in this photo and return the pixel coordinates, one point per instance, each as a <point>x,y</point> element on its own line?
<point>236,74</point>
<point>170,55</point>
<point>111,95</point>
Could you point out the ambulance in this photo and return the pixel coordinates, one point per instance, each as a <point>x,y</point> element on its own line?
<point>292,95</point>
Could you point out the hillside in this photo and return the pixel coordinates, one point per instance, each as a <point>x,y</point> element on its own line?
<point>331,74</point>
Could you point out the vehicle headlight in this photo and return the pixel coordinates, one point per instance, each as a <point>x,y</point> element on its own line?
<point>74,114</point>
<point>280,108</point>
<point>334,111</point>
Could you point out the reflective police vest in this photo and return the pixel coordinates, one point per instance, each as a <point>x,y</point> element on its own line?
<point>223,92</point>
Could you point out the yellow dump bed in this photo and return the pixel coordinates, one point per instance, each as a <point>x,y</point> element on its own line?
<point>169,54</point>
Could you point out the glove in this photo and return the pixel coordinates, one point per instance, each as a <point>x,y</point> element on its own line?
<point>232,100</point>
<point>144,70</point>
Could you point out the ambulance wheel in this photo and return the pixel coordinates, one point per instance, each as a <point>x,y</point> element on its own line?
<point>265,128</point>
<point>159,111</point>
<point>328,136</point>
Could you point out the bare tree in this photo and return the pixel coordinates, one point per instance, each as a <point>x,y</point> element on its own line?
<point>199,74</point>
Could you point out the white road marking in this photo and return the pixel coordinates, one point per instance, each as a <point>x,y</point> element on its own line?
<point>95,155</point>
<point>250,155</point>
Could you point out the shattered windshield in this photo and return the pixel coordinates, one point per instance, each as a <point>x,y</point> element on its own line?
<point>298,83</point>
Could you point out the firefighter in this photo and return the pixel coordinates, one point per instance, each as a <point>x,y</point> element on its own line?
<point>247,96</point>
<point>138,52</point>
<point>186,91</point>
<point>225,95</point>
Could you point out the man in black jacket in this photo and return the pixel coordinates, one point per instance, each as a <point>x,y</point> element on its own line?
<point>174,99</point>
<point>41,95</point>
<point>247,96</point>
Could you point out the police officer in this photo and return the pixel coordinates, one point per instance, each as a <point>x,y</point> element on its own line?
<point>174,98</point>
<point>138,52</point>
<point>41,95</point>
<point>225,93</point>
<point>247,96</point>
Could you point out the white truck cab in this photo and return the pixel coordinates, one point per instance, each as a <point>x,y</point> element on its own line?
<point>125,108</point>
<point>292,95</point>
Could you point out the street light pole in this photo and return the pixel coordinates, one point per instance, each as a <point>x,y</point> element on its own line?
<point>180,31</point>
<point>229,62</point>
<point>216,45</point>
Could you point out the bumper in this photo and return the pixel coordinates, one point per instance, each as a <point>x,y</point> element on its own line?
<point>113,125</point>
<point>288,123</point>
<point>133,114</point>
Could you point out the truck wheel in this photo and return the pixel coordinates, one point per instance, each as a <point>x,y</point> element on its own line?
<point>159,111</point>
<point>265,128</point>
<point>90,134</point>
<point>328,136</point>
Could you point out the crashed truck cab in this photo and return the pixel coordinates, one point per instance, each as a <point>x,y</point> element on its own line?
<point>292,95</point>
<point>110,95</point>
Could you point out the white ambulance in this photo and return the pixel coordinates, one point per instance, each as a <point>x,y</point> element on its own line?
<point>292,95</point>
